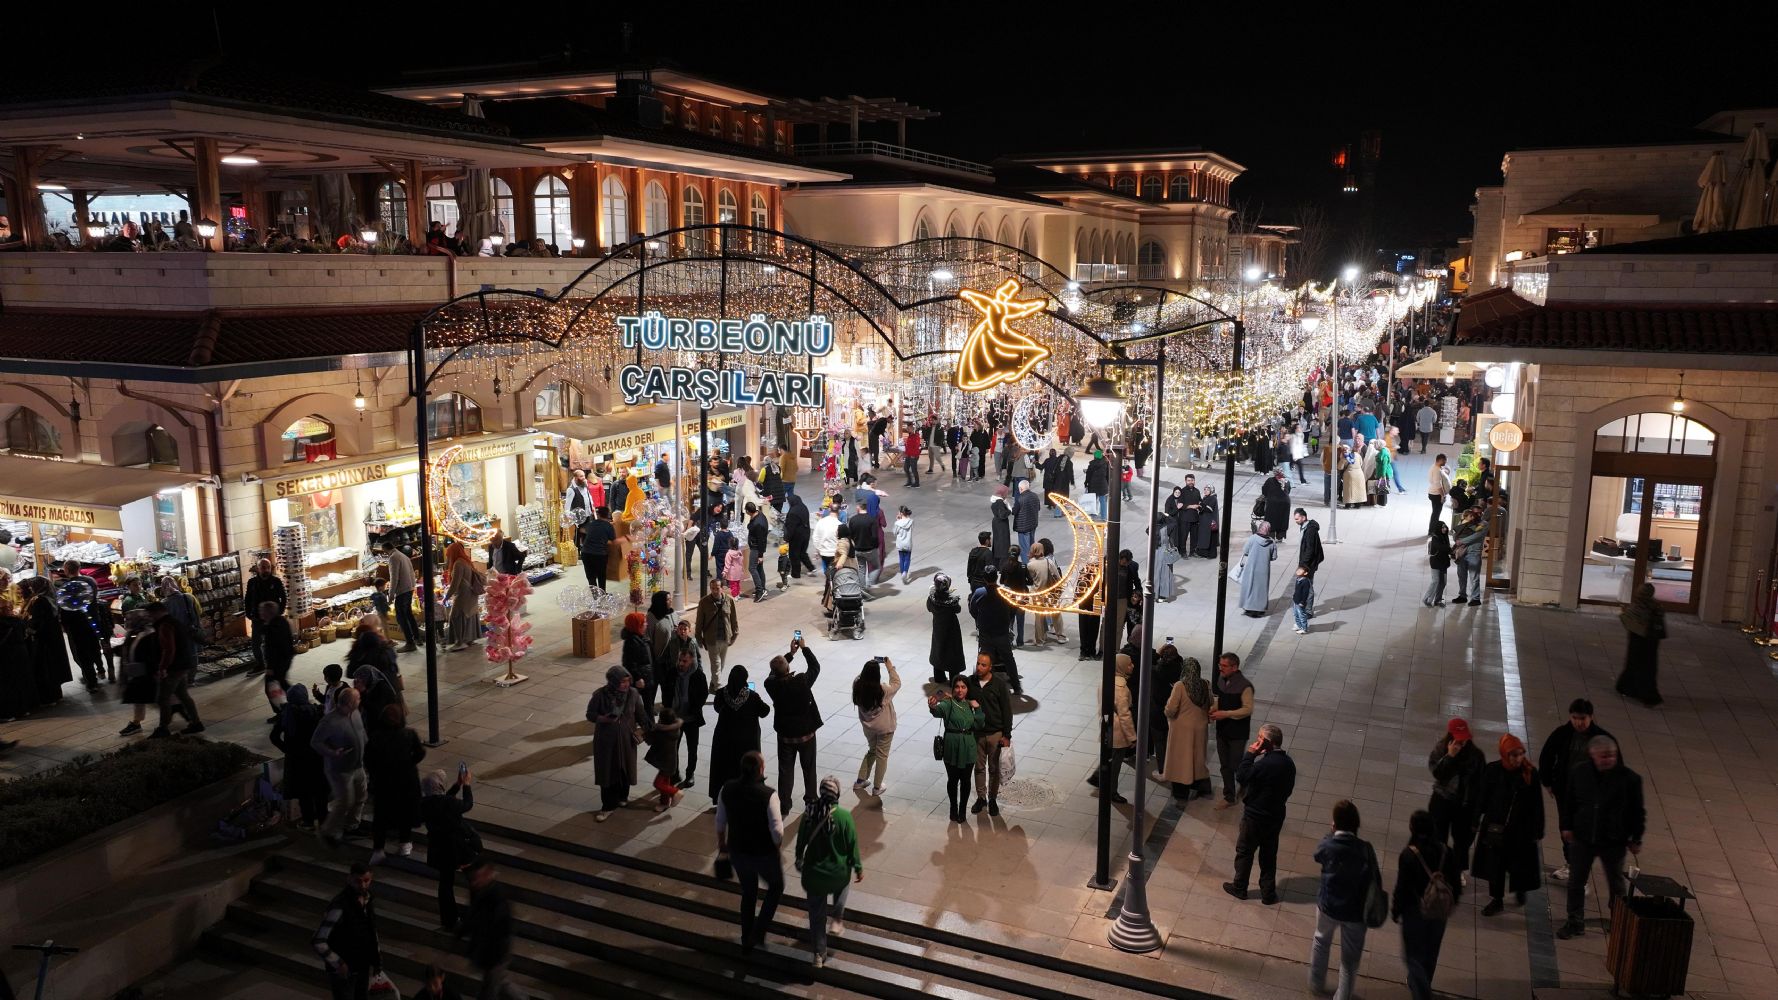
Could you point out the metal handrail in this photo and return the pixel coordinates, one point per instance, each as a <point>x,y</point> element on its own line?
<point>870,147</point>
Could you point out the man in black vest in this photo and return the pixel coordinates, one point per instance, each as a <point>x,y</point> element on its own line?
<point>795,717</point>
<point>1233,717</point>
<point>749,829</point>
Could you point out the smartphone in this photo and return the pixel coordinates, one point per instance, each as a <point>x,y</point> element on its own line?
<point>462,768</point>
<point>749,685</point>
<point>797,635</point>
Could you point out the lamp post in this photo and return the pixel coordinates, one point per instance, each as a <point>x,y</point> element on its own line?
<point>1100,406</point>
<point>369,235</point>
<point>206,228</point>
<point>95,231</point>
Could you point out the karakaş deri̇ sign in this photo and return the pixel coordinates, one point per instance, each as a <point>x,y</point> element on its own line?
<point>756,335</point>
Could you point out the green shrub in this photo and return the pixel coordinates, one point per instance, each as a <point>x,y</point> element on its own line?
<point>48,810</point>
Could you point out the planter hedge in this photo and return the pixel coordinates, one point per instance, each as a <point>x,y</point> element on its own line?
<point>45,811</point>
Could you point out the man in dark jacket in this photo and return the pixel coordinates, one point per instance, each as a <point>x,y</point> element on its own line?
<point>347,937</point>
<point>596,536</point>
<point>1564,748</point>
<point>685,690</point>
<point>264,586</point>
<point>749,829</point>
<point>1098,480</point>
<point>988,690</point>
<point>866,537</point>
<point>795,718</point>
<point>981,559</point>
<point>993,623</point>
<point>489,927</point>
<point>1025,510</point>
<point>758,534</point>
<point>1456,767</point>
<point>796,535</point>
<point>1309,554</point>
<point>1269,777</point>
<point>1346,876</point>
<point>1191,507</point>
<point>1602,816</point>
<point>979,440</point>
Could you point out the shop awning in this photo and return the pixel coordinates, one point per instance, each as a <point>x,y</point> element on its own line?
<point>78,493</point>
<point>635,428</point>
<point>1434,365</point>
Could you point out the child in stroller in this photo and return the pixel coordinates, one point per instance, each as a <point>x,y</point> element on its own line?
<point>845,597</point>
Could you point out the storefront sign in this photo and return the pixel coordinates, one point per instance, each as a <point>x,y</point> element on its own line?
<point>755,335</point>
<point>323,478</point>
<point>77,515</point>
<point>640,439</point>
<point>496,449</point>
<point>1506,436</point>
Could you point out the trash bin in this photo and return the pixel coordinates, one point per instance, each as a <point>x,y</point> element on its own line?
<point>1650,947</point>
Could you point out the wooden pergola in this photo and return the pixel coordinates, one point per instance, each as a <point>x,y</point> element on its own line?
<point>851,111</point>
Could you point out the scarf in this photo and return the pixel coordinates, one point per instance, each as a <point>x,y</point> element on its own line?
<point>1193,679</point>
<point>1508,743</point>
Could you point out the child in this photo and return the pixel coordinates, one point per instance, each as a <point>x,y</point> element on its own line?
<point>331,674</point>
<point>1301,599</point>
<point>904,539</point>
<point>379,596</point>
<point>783,566</point>
<point>1129,474</point>
<point>663,756</point>
<point>731,571</point>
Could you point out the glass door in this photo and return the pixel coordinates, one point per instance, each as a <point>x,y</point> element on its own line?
<point>1614,537</point>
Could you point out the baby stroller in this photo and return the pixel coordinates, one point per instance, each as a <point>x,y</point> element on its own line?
<point>845,603</point>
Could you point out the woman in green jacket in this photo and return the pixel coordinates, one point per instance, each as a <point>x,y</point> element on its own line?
<point>962,719</point>
<point>827,855</point>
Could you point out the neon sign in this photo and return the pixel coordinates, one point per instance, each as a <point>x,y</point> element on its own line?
<point>756,335</point>
<point>995,354</point>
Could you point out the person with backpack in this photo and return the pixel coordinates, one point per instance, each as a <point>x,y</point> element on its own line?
<point>826,853</point>
<point>1348,871</point>
<point>1427,884</point>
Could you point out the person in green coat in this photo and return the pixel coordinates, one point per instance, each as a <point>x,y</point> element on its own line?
<point>962,719</point>
<point>827,855</point>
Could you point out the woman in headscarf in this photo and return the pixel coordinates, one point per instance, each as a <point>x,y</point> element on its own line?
<point>18,684</point>
<point>638,657</point>
<point>375,693</point>
<point>1645,625</point>
<point>1276,493</point>
<point>1205,538</point>
<point>1257,557</point>
<point>448,848</point>
<point>304,781</point>
<point>738,711</point>
<point>49,653</point>
<point>1187,764</point>
<point>1000,508</point>
<point>1510,826</point>
<point>466,613</point>
<point>1351,478</point>
<point>1165,555</point>
<point>827,855</point>
<point>370,649</point>
<point>946,652</point>
<point>619,724</point>
<point>392,755</point>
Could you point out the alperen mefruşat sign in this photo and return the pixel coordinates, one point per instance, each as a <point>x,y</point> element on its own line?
<point>756,335</point>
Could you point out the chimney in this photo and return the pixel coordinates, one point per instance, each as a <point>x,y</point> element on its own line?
<point>635,98</point>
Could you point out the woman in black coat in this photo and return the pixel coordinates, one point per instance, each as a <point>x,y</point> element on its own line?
<point>1001,508</point>
<point>18,682</point>
<point>392,755</point>
<point>1276,493</point>
<point>304,780</point>
<point>1205,538</point>
<point>738,711</point>
<point>49,653</point>
<point>1426,855</point>
<point>1509,827</point>
<point>442,809</point>
<point>946,655</point>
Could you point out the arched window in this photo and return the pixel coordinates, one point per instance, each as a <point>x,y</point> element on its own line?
<point>1126,185</point>
<point>727,209</point>
<point>980,232</point>
<point>558,400</point>
<point>1655,434</point>
<point>551,212</point>
<point>614,212</point>
<point>654,209</point>
<point>441,204</point>
<point>952,230</point>
<point>922,227</point>
<point>1179,188</point>
<point>739,133</point>
<point>309,440</point>
<point>762,212</point>
<point>1151,261</point>
<point>1096,250</point>
<point>504,215</point>
<point>392,207</point>
<point>759,135</point>
<point>693,204</point>
<point>1151,187</point>
<point>1003,235</point>
<point>688,116</point>
<point>28,433</point>
<point>452,414</point>
<point>716,124</point>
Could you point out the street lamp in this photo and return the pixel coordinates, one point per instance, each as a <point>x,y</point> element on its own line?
<point>1100,405</point>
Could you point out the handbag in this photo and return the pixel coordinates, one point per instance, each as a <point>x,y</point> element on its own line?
<point>1235,574</point>
<point>1376,900</point>
<point>938,747</point>
<point>1494,834</point>
<point>381,988</point>
<point>724,868</point>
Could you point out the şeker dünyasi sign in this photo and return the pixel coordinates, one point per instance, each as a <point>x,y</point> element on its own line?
<point>755,335</point>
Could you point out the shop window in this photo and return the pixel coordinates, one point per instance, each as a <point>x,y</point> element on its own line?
<point>392,207</point>
<point>1655,434</point>
<point>694,216</point>
<point>558,400</point>
<point>614,211</point>
<point>654,209</point>
<point>1179,188</point>
<point>1569,240</point>
<point>441,205</point>
<point>551,211</point>
<point>310,439</point>
<point>1151,187</point>
<point>505,215</point>
<point>451,415</point>
<point>1125,185</point>
<point>1151,261</point>
<point>30,434</point>
<point>1671,500</point>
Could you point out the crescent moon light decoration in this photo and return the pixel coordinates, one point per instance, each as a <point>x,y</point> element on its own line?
<point>1079,583</point>
<point>1034,422</point>
<point>444,509</point>
<point>994,353</point>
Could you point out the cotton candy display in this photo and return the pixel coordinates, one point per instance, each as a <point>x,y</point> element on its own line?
<point>509,635</point>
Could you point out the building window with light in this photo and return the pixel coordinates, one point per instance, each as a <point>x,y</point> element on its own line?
<point>557,401</point>
<point>310,439</point>
<point>727,209</point>
<point>505,216</point>
<point>550,210</point>
<point>441,204</point>
<point>922,228</point>
<point>452,414</point>
<point>1569,240</point>
<point>1125,185</point>
<point>1151,261</point>
<point>693,204</point>
<point>392,207</point>
<point>614,212</point>
<point>27,433</point>
<point>762,212</point>
<point>1179,188</point>
<point>654,209</point>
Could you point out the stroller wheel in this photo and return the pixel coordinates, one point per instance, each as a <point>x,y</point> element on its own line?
<point>858,631</point>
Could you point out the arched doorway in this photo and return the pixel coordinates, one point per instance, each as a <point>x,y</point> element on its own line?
<point>1648,509</point>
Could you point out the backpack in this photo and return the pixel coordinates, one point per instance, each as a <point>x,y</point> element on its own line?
<point>1437,901</point>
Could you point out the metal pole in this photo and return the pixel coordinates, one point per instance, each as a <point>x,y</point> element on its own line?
<point>1108,647</point>
<point>1228,510</point>
<point>418,380</point>
<point>1134,930</point>
<point>704,497</point>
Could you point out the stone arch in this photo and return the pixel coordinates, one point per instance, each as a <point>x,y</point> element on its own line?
<point>135,416</point>
<point>352,436</point>
<point>525,397</point>
<point>494,418</point>
<point>16,394</point>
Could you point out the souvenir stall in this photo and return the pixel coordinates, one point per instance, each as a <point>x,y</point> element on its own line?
<point>99,516</point>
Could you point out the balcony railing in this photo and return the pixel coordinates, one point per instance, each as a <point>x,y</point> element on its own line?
<point>1102,272</point>
<point>831,150</point>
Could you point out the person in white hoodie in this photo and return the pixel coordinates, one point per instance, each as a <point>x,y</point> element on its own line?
<point>826,536</point>
<point>875,701</point>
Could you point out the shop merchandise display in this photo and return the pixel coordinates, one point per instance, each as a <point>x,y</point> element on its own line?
<point>326,556</point>
<point>218,587</point>
<point>287,552</point>
<point>533,532</point>
<point>86,552</point>
<point>508,636</point>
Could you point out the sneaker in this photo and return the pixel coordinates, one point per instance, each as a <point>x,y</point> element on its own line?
<point>1302,631</point>
<point>600,817</point>
<point>860,783</point>
<point>408,648</point>
<point>1475,603</point>
<point>993,808</point>
<point>1560,874</point>
<point>837,928</point>
<point>820,961</point>
<point>1239,892</point>
<point>407,849</point>
<point>377,858</point>
<point>1269,898</point>
<point>878,791</point>
<point>131,729</point>
<point>1571,929</point>
<point>1494,906</point>
<point>160,732</point>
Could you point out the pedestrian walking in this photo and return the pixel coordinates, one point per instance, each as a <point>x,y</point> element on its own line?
<point>305,781</point>
<point>827,533</point>
<point>717,624</point>
<point>1233,717</point>
<point>663,756</point>
<point>738,711</point>
<point>686,689</point>
<point>1348,869</point>
<point>278,646</point>
<point>1438,556</point>
<point>910,458</point>
<point>620,723</point>
<point>904,540</point>
<point>489,929</point>
<point>946,652</point>
<point>636,657</point>
<point>1602,816</point>
<point>1000,510</point>
<point>749,830</point>
<point>1438,484</point>
<point>263,586</point>
<point>1456,767</point>
<point>1511,824</point>
<point>865,540</point>
<point>347,938</point>
<point>1027,507</point>
<point>1427,885</point>
<point>796,720</point>
<point>875,700</point>
<point>595,537</point>
<point>392,755</point>
<point>994,619</point>
<point>827,856</point>
<point>1425,420</point>
<point>1098,480</point>
<point>1186,765</point>
<point>339,740</point>
<point>1645,625</point>
<point>1276,494</point>
<point>797,534</point>
<point>960,720</point>
<point>989,691</point>
<point>1123,726</point>
<point>758,532</point>
<point>1268,776</point>
<point>178,662</point>
<point>732,569</point>
<point>1255,570</point>
<point>1309,553</point>
<point>451,843</point>
<point>1562,750</point>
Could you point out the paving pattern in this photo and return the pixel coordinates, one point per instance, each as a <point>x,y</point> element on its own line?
<point>1362,698</point>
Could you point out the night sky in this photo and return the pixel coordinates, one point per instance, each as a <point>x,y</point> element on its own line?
<point>1275,90</point>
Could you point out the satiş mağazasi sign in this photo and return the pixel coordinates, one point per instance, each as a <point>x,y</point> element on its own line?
<point>756,335</point>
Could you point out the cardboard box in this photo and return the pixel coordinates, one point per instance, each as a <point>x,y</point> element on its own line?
<point>592,635</point>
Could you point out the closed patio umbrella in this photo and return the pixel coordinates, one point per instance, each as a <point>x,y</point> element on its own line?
<point>475,196</point>
<point>1750,190</point>
<point>1713,209</point>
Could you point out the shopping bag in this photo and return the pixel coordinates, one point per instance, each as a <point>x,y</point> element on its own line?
<point>1235,574</point>
<point>383,988</point>
<point>1005,764</point>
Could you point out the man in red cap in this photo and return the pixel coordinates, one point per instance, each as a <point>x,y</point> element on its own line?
<point>1456,789</point>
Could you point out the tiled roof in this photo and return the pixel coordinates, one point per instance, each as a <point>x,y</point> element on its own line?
<point>283,334</point>
<point>133,337</point>
<point>1763,239</point>
<point>1689,328</point>
<point>197,340</point>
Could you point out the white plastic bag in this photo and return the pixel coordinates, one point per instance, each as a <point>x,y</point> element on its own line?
<point>1005,764</point>
<point>1235,574</point>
